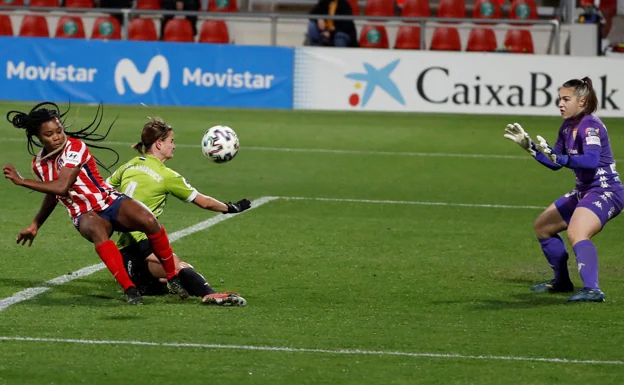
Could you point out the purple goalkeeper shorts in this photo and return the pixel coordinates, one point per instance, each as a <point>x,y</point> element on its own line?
<point>605,204</point>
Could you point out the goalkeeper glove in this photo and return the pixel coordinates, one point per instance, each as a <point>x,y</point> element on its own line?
<point>238,207</point>
<point>545,148</point>
<point>516,133</point>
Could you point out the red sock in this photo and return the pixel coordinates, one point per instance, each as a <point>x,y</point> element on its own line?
<point>162,250</point>
<point>110,255</point>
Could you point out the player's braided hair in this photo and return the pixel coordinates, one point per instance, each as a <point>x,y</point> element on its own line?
<point>583,88</point>
<point>153,130</point>
<point>46,111</point>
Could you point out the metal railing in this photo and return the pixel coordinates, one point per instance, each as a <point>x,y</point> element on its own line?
<point>274,18</point>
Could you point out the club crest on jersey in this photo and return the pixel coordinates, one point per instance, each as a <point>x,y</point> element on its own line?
<point>574,131</point>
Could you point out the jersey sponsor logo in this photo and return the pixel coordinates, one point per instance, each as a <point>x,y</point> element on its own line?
<point>73,157</point>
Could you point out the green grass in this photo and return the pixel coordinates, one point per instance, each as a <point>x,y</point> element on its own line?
<point>326,275</point>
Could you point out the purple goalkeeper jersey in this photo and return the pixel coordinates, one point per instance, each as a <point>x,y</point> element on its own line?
<point>590,135</point>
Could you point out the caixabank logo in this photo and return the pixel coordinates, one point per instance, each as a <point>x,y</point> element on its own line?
<point>370,80</point>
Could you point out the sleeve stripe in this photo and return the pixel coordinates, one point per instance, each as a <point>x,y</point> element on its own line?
<point>192,197</point>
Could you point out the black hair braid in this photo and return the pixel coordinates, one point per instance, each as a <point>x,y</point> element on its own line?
<point>39,114</point>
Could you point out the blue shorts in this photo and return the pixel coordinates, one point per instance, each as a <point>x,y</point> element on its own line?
<point>110,213</point>
<point>605,204</point>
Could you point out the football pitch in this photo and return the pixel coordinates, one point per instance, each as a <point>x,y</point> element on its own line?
<point>381,249</point>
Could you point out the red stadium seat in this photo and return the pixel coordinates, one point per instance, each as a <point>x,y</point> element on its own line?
<point>44,3</point>
<point>15,3</point>
<point>487,9</point>
<point>354,7</point>
<point>408,38</point>
<point>179,30</point>
<point>452,8</point>
<point>445,39</point>
<point>142,29</point>
<point>482,40</point>
<point>78,3</point>
<point>215,32</point>
<point>148,4</point>
<point>34,26</point>
<point>106,27</point>
<point>70,27</point>
<point>523,10</point>
<point>374,36</point>
<point>222,6</point>
<point>416,8</point>
<point>519,41</point>
<point>6,28</point>
<point>379,8</point>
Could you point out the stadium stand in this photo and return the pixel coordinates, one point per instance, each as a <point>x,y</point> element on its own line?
<point>290,32</point>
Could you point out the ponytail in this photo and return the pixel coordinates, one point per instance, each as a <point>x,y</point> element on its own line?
<point>140,147</point>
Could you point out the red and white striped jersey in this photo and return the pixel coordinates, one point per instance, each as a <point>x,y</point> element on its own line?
<point>89,191</point>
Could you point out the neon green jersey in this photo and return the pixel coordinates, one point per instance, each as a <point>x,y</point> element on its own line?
<point>148,180</point>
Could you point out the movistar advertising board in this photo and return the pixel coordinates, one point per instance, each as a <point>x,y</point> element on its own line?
<point>154,73</point>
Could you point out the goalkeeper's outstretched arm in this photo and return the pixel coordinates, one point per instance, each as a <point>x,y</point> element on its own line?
<point>209,203</point>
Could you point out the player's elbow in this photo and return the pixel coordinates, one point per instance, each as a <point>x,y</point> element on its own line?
<point>593,162</point>
<point>62,190</point>
<point>202,201</point>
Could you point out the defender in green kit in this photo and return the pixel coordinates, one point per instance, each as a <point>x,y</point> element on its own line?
<point>146,179</point>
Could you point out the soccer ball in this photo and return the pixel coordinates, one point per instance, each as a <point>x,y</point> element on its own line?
<point>220,144</point>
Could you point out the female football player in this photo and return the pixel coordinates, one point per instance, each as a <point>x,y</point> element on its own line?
<point>69,174</point>
<point>583,146</point>
<point>148,180</point>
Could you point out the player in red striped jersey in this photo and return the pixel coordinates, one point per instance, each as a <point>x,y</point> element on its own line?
<point>69,174</point>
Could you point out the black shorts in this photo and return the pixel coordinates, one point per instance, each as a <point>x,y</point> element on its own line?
<point>134,261</point>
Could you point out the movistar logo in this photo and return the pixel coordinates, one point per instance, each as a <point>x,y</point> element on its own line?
<point>141,82</point>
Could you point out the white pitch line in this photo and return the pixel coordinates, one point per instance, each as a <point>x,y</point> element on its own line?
<point>35,291</point>
<point>308,350</point>
<point>492,206</point>
<point>330,151</point>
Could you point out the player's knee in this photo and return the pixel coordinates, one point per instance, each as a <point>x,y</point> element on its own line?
<point>540,227</point>
<point>576,234</point>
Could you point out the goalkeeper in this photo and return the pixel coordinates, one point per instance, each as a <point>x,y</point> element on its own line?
<point>583,146</point>
<point>148,180</point>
